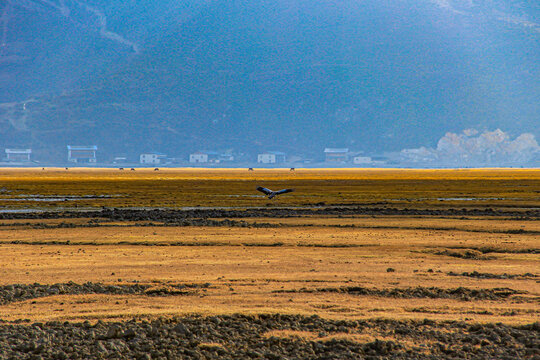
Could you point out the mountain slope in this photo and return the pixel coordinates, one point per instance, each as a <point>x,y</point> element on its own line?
<point>274,74</point>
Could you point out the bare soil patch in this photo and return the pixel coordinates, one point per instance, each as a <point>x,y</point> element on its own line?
<point>266,337</point>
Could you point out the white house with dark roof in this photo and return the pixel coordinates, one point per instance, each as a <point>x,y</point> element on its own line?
<point>82,154</point>
<point>18,155</point>
<point>362,160</point>
<point>271,157</point>
<point>153,158</point>
<point>226,157</point>
<point>204,156</point>
<point>338,155</point>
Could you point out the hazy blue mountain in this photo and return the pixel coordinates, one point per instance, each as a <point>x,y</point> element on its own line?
<point>177,76</point>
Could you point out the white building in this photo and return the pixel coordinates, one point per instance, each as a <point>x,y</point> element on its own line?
<point>120,160</point>
<point>337,155</point>
<point>271,157</point>
<point>18,155</point>
<point>226,157</point>
<point>82,154</point>
<point>201,157</point>
<point>154,158</point>
<point>362,160</point>
<point>198,157</point>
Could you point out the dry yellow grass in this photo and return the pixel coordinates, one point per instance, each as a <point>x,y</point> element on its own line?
<point>277,269</point>
<point>245,278</point>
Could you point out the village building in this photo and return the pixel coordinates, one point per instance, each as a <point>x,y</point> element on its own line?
<point>120,160</point>
<point>361,160</point>
<point>384,160</point>
<point>201,157</point>
<point>153,158</point>
<point>420,155</point>
<point>18,155</point>
<point>271,157</point>
<point>336,155</point>
<point>227,157</point>
<point>82,154</point>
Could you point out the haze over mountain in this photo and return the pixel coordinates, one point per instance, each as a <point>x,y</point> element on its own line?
<point>178,76</point>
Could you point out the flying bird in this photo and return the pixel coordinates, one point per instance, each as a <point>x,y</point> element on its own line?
<point>271,193</point>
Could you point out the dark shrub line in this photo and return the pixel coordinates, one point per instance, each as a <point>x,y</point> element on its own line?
<point>21,292</point>
<point>475,274</point>
<point>459,293</point>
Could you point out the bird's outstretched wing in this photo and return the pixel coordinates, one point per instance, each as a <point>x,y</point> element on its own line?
<point>284,191</point>
<point>264,190</point>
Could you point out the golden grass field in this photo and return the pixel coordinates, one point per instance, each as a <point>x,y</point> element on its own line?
<point>280,268</point>
<point>188,187</point>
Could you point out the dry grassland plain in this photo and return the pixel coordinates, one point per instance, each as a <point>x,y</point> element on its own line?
<point>349,244</point>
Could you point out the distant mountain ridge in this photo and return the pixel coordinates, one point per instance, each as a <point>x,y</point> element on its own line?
<point>291,76</point>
